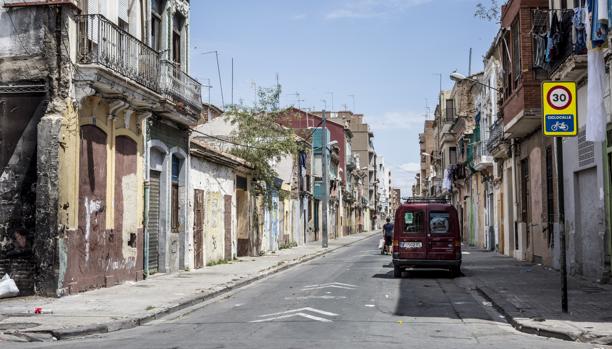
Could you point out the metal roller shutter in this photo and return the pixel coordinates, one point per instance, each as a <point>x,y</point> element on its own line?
<point>153,223</point>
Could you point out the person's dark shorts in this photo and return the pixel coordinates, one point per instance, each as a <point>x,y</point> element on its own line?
<point>388,240</point>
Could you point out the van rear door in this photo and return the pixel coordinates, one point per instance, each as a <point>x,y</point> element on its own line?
<point>412,239</point>
<point>441,235</point>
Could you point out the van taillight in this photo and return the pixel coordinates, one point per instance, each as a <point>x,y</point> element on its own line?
<point>395,243</point>
<point>457,243</point>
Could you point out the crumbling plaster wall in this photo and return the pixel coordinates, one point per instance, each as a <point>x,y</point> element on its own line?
<point>35,49</point>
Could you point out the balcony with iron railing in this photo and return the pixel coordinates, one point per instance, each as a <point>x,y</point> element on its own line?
<point>482,158</point>
<point>102,42</point>
<point>497,145</point>
<point>180,87</point>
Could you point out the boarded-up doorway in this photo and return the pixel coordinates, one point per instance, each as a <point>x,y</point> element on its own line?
<point>198,229</point>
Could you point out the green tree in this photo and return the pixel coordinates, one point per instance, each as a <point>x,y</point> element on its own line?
<point>489,12</point>
<point>260,139</point>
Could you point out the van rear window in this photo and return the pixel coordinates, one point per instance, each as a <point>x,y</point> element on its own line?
<point>413,221</point>
<point>439,222</point>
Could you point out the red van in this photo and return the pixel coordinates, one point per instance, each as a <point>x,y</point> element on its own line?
<point>426,235</point>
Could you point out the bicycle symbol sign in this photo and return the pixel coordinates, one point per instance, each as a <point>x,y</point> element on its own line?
<point>559,109</point>
<point>559,97</point>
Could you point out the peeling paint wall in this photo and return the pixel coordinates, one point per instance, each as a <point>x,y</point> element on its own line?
<point>217,182</point>
<point>101,198</point>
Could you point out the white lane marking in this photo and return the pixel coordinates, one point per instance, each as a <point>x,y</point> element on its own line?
<point>315,297</point>
<point>370,305</point>
<point>313,310</point>
<point>329,285</point>
<point>307,316</point>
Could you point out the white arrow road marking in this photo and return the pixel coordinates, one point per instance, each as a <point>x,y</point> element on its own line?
<point>308,316</point>
<point>297,312</point>
<point>329,285</point>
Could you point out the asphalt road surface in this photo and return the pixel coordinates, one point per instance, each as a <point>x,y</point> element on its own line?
<point>347,299</point>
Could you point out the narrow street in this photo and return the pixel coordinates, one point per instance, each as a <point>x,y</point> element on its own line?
<point>346,299</point>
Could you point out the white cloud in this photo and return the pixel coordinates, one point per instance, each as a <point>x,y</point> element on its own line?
<point>394,120</point>
<point>372,8</point>
<point>403,176</point>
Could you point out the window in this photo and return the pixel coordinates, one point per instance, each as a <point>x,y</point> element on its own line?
<point>450,109</point>
<point>174,204</point>
<point>157,8</point>
<point>452,154</point>
<point>413,222</point>
<point>516,52</point>
<point>177,28</point>
<point>439,222</point>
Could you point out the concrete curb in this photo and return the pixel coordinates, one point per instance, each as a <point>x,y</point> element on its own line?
<point>513,315</point>
<point>125,324</point>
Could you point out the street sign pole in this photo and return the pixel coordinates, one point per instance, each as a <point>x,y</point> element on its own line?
<point>560,112</point>
<point>325,170</point>
<point>561,196</point>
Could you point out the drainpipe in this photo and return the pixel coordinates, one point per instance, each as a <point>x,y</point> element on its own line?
<point>144,117</point>
<point>514,194</point>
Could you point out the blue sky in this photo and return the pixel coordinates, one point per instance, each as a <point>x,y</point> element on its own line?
<point>385,52</point>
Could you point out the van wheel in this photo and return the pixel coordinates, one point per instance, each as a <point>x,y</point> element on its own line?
<point>397,272</point>
<point>455,271</point>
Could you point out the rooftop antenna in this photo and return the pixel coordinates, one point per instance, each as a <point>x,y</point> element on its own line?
<point>353,97</point>
<point>427,109</point>
<point>332,102</point>
<point>219,73</point>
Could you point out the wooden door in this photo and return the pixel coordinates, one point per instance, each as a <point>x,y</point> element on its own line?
<point>198,228</point>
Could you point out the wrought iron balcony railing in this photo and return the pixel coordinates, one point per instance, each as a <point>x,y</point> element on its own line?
<point>179,86</point>
<point>103,42</point>
<point>496,135</point>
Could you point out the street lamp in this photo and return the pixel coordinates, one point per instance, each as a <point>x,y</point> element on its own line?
<point>458,77</point>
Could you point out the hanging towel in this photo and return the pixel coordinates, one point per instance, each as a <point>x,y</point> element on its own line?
<point>596,110</point>
<point>602,11</point>
<point>599,30</point>
<point>446,184</point>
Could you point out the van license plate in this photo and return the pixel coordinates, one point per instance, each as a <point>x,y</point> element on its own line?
<point>411,244</point>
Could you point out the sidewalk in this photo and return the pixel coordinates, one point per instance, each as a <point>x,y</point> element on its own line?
<point>135,303</point>
<point>530,298</point>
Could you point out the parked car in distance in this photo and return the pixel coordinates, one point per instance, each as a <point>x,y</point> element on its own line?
<point>426,235</point>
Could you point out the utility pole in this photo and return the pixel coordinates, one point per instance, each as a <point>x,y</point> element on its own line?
<point>325,178</point>
<point>232,81</point>
<point>561,194</point>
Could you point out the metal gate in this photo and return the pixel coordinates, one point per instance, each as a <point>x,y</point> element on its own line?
<point>153,223</point>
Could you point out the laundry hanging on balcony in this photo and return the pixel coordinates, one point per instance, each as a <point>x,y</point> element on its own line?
<point>596,110</point>
<point>447,183</point>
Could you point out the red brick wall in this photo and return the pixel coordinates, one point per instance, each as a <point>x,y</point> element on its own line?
<point>527,94</point>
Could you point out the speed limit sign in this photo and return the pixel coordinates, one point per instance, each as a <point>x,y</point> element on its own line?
<point>559,97</point>
<point>559,108</point>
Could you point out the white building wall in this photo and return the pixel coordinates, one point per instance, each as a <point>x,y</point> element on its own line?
<point>216,181</point>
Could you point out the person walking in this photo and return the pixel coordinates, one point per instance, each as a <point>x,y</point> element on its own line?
<point>388,235</point>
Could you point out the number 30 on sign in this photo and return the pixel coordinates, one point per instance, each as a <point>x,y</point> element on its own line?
<point>559,109</point>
